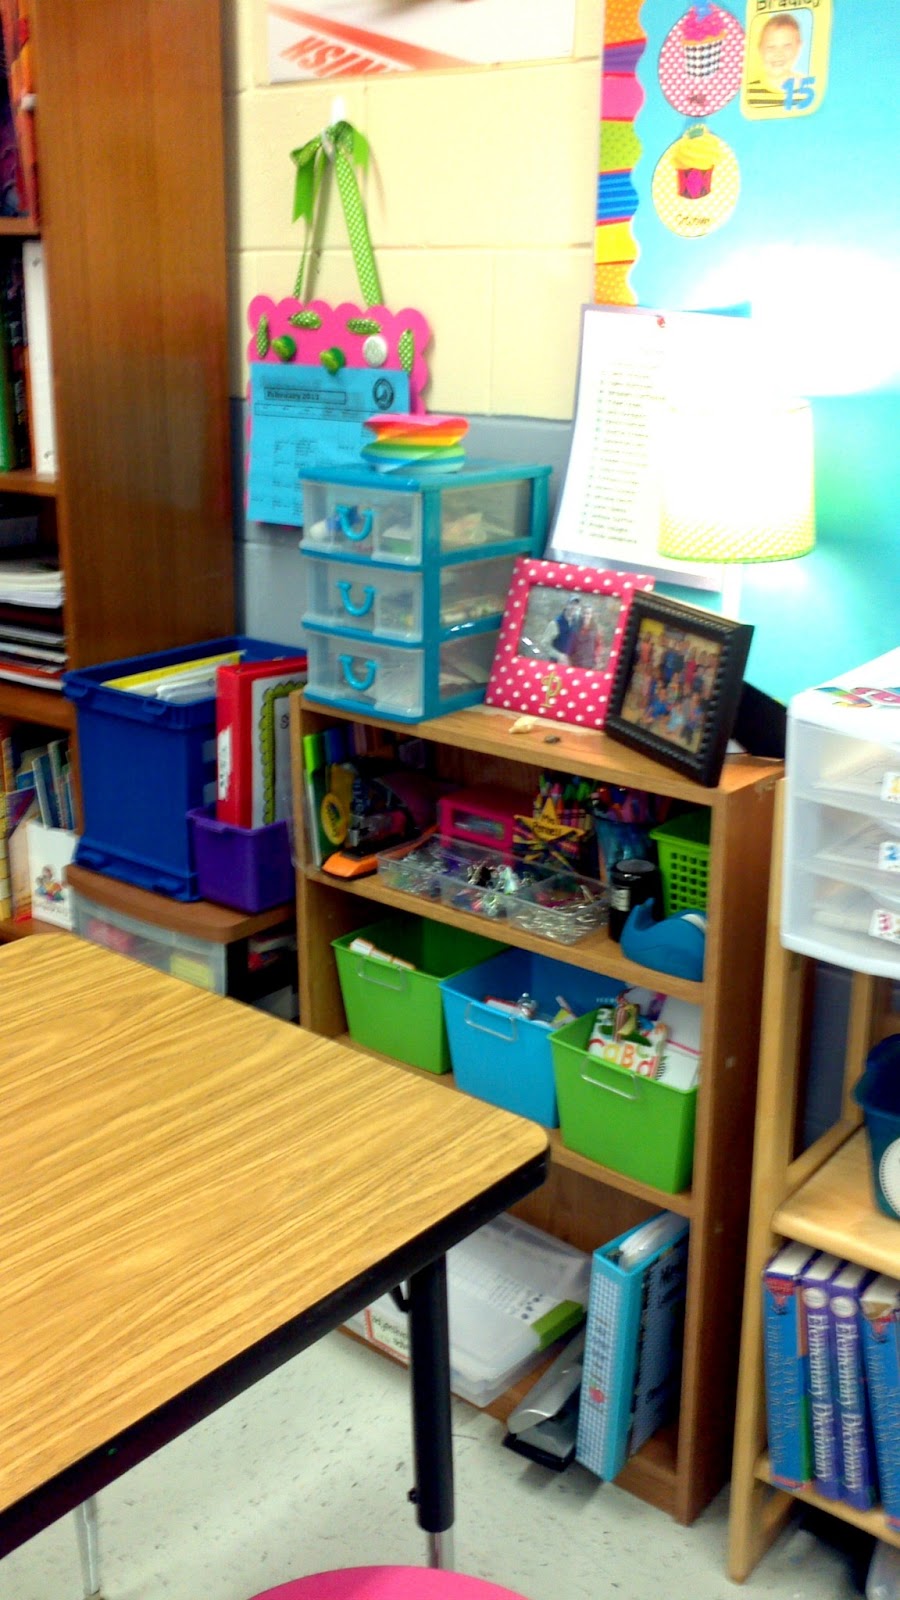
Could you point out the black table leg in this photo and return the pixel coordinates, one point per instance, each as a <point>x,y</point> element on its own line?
<point>429,1344</point>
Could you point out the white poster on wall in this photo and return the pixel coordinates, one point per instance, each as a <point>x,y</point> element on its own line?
<point>348,38</point>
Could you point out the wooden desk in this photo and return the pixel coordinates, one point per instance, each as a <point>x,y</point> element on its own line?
<point>191,1193</point>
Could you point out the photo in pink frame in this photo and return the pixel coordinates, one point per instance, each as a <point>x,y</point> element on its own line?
<point>560,639</point>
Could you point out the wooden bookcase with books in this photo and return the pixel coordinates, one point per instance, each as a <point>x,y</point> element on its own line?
<point>684,1465</point>
<point>127,115</point>
<point>820,1196</point>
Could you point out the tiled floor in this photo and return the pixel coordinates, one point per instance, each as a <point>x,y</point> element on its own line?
<point>310,1469</point>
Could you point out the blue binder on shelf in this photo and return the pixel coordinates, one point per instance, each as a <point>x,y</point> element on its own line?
<point>633,1342</point>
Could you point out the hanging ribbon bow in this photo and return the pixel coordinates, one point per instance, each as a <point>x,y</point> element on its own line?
<point>340,146</point>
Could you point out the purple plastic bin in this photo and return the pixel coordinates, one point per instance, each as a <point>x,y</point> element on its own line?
<point>249,869</point>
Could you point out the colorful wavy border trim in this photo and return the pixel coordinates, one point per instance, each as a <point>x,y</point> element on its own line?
<point>615,246</point>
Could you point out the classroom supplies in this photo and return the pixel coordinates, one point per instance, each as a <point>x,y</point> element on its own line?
<point>50,851</point>
<point>408,440</point>
<point>633,1342</point>
<point>253,759</point>
<point>498,1052</point>
<point>787,1395</point>
<point>249,869</point>
<point>543,1428</point>
<point>815,1291</point>
<point>396,1010</point>
<point>480,814</point>
<point>858,1485</point>
<point>409,578</point>
<point>676,945</point>
<point>640,1126</point>
<point>512,1291</point>
<point>145,763</point>
<point>878,1093</point>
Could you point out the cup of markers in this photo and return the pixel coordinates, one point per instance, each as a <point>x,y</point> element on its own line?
<point>415,442</point>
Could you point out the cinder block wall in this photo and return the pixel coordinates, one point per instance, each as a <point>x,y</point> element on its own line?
<point>480,197</point>
<point>480,200</point>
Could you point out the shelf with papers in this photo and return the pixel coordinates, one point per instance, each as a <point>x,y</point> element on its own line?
<point>682,1468</point>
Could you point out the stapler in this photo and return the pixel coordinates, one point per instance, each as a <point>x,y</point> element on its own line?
<point>544,1426</point>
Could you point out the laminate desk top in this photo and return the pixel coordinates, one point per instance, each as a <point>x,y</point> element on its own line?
<point>181,1177</point>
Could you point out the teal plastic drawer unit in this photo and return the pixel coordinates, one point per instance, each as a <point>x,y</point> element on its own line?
<point>407,580</point>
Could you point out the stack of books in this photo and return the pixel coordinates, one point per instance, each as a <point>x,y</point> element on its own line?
<point>832,1361</point>
<point>35,785</point>
<point>32,639</point>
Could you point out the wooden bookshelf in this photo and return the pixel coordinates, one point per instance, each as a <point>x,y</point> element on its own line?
<point>821,1197</point>
<point>132,183</point>
<point>684,1466</point>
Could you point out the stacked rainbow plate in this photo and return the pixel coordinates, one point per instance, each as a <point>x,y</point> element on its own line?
<point>415,442</point>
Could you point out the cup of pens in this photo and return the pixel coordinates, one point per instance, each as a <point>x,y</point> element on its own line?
<point>622,821</point>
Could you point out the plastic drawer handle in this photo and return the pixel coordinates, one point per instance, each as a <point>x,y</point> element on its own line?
<point>349,605</point>
<point>365,681</point>
<point>495,1033</point>
<point>344,515</point>
<point>365,976</point>
<point>608,1087</point>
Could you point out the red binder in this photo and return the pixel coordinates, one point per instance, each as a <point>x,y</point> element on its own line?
<point>252,740</point>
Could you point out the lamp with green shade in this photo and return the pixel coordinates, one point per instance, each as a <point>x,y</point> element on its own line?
<point>736,484</point>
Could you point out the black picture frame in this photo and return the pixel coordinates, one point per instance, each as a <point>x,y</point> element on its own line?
<point>678,685</point>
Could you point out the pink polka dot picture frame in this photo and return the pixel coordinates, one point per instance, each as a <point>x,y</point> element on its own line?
<point>560,640</point>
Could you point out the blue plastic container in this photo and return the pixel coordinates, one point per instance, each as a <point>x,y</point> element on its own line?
<point>144,764</point>
<point>506,1059</point>
<point>878,1092</point>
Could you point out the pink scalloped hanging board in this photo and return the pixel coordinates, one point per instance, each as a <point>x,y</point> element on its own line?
<point>312,333</point>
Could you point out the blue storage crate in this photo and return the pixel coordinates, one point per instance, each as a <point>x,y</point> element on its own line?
<point>503,1058</point>
<point>144,764</point>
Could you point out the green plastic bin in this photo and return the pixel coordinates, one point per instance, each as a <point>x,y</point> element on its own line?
<point>683,848</point>
<point>635,1125</point>
<point>397,1012</point>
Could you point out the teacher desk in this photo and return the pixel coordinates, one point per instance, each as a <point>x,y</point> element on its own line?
<point>191,1193</point>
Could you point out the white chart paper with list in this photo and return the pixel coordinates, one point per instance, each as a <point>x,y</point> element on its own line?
<point>631,361</point>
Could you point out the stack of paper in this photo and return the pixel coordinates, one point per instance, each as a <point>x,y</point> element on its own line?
<point>32,641</point>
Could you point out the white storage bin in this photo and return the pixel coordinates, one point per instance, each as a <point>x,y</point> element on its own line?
<point>512,1291</point>
<point>197,961</point>
<point>372,600</point>
<point>841,893</point>
<point>382,678</point>
<point>378,523</point>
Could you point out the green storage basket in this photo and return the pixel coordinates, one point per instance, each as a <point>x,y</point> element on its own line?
<point>397,1012</point>
<point>683,847</point>
<point>635,1125</point>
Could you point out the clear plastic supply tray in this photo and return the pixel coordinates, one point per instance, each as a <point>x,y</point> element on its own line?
<point>563,906</point>
<point>415,871</point>
<point>867,854</point>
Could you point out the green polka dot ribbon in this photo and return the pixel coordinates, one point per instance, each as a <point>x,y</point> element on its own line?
<point>340,148</point>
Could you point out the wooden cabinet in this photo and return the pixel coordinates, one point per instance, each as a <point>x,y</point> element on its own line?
<point>821,1197</point>
<point>683,1466</point>
<point>131,165</point>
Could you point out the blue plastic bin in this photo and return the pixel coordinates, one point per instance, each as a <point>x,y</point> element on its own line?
<point>506,1059</point>
<point>145,763</point>
<point>878,1092</point>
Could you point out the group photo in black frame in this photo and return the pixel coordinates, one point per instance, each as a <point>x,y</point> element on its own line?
<point>678,685</point>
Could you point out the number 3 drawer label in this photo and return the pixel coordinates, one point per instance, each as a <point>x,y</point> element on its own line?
<point>885,925</point>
